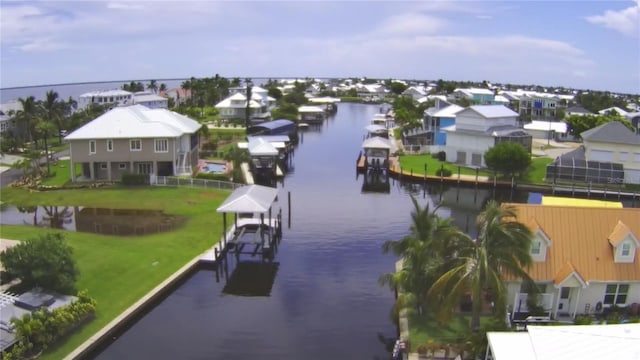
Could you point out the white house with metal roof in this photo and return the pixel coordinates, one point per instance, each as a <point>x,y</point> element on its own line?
<point>235,107</point>
<point>150,100</point>
<point>480,127</point>
<point>613,142</point>
<point>115,97</point>
<point>137,140</point>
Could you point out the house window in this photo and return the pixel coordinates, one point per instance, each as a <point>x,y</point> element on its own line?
<point>103,166</point>
<point>135,145</point>
<point>162,145</point>
<point>536,247</point>
<point>626,249</point>
<point>92,146</point>
<point>122,166</point>
<point>616,294</point>
<point>109,145</point>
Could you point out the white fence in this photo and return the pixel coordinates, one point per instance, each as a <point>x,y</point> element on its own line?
<point>191,182</point>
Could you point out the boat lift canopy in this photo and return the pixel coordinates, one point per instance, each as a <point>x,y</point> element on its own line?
<point>249,199</point>
<point>377,142</point>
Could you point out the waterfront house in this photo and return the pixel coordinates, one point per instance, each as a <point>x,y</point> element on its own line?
<point>417,92</point>
<point>475,95</point>
<point>137,140</point>
<point>614,143</point>
<point>109,97</point>
<point>477,129</point>
<point>371,91</point>
<point>235,107</point>
<point>150,100</point>
<point>434,122</point>
<point>547,130</point>
<point>585,259</point>
<point>179,95</point>
<point>8,112</point>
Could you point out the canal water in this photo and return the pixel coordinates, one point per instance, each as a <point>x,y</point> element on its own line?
<point>321,299</point>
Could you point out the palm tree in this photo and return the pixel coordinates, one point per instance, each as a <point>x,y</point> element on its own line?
<point>502,247</point>
<point>54,111</point>
<point>152,85</point>
<point>27,115</point>
<point>163,87</point>
<point>432,241</point>
<point>247,115</point>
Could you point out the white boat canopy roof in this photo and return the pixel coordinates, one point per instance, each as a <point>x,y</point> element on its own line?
<point>249,199</point>
<point>324,100</point>
<point>376,142</point>
<point>259,146</point>
<point>310,109</point>
<point>374,128</point>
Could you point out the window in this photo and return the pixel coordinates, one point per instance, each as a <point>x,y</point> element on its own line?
<point>103,166</point>
<point>109,145</point>
<point>536,247</point>
<point>162,145</point>
<point>616,294</point>
<point>122,166</point>
<point>135,145</point>
<point>92,146</point>
<point>626,249</point>
<point>145,168</point>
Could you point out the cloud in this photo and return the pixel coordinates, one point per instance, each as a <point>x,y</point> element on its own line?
<point>626,21</point>
<point>41,46</point>
<point>411,23</point>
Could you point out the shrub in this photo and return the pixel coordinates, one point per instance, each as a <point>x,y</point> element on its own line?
<point>583,320</point>
<point>444,172</point>
<point>442,156</point>
<point>134,179</point>
<point>211,176</point>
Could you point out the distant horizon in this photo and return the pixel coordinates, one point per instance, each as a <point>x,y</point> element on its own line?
<point>303,77</point>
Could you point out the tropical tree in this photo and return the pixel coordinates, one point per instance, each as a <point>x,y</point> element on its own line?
<point>247,115</point>
<point>508,157</point>
<point>501,248</point>
<point>26,116</point>
<point>44,130</point>
<point>152,85</point>
<point>163,87</point>
<point>425,253</point>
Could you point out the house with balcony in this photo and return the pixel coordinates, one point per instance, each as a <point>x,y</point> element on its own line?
<point>614,143</point>
<point>109,97</point>
<point>585,259</point>
<point>235,107</point>
<point>476,96</point>
<point>136,140</point>
<point>477,129</point>
<point>435,121</point>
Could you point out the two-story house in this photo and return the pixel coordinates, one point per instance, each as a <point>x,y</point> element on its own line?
<point>477,96</point>
<point>441,118</point>
<point>584,259</point>
<point>477,129</point>
<point>137,140</point>
<point>614,143</point>
<point>112,97</point>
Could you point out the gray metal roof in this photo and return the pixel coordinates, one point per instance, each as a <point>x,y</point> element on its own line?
<point>490,111</point>
<point>611,132</point>
<point>249,199</point>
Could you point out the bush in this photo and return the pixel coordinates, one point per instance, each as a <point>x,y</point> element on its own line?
<point>134,179</point>
<point>442,156</point>
<point>211,176</point>
<point>444,172</point>
<point>46,262</point>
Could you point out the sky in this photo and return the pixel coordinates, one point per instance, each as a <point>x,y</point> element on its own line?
<point>576,44</point>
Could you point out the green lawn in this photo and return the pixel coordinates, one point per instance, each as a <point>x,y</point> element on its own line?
<point>538,170</point>
<point>61,173</point>
<point>118,271</point>
<point>417,162</point>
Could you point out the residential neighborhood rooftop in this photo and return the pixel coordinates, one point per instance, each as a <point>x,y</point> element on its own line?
<point>613,132</point>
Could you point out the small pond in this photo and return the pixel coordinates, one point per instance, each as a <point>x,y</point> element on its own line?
<point>119,222</point>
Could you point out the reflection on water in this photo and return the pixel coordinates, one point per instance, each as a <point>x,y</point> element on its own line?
<point>118,222</point>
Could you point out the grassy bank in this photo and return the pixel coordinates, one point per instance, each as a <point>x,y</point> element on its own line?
<point>417,163</point>
<point>61,173</point>
<point>118,271</point>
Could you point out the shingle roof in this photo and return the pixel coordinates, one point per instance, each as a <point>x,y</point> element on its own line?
<point>580,235</point>
<point>136,121</point>
<point>611,132</point>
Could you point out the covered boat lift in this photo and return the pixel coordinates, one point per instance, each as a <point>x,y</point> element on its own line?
<point>249,204</point>
<point>376,152</point>
<point>311,114</point>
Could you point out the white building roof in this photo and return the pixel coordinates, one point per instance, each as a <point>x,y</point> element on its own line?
<point>116,92</point>
<point>501,99</point>
<point>13,105</point>
<point>237,100</point>
<point>249,199</point>
<point>557,126</point>
<point>324,100</point>
<point>475,91</point>
<point>620,112</point>
<point>376,142</point>
<point>583,342</point>
<point>260,147</point>
<point>310,109</point>
<point>449,111</point>
<point>136,121</point>
<point>147,98</point>
<point>492,111</point>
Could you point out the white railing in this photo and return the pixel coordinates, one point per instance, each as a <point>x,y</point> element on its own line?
<point>191,182</point>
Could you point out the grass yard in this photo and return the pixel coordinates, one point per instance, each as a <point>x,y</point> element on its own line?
<point>538,170</point>
<point>118,271</point>
<point>61,173</point>
<point>417,162</point>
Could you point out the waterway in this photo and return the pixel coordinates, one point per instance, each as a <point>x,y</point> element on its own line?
<point>323,300</point>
